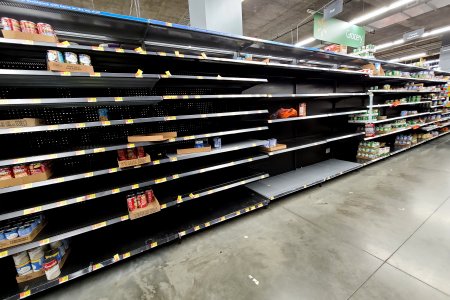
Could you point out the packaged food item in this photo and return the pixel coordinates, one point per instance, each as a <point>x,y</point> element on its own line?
<point>36,168</point>
<point>10,24</point>
<point>53,253</point>
<point>2,235</point>
<point>370,130</point>
<point>122,154</point>
<point>37,258</point>
<point>131,154</point>
<point>217,141</point>
<point>84,59</point>
<point>12,233</point>
<point>28,26</point>
<point>45,29</point>
<point>6,173</point>
<point>71,58</point>
<point>24,230</point>
<point>141,199</point>
<point>51,268</point>
<point>141,151</point>
<point>150,196</point>
<point>302,110</point>
<point>55,56</point>
<point>21,171</point>
<point>103,114</point>
<point>24,268</point>
<point>198,143</point>
<point>58,245</point>
<point>21,258</point>
<point>131,202</point>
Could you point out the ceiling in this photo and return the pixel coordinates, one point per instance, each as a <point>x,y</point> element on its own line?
<point>290,20</point>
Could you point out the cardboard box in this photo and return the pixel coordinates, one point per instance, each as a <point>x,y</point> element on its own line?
<point>193,150</point>
<point>18,35</point>
<point>22,239</point>
<point>154,137</point>
<point>41,273</point>
<point>26,122</point>
<point>26,179</point>
<point>152,207</point>
<point>276,148</point>
<point>63,67</point>
<point>134,162</point>
<point>376,70</point>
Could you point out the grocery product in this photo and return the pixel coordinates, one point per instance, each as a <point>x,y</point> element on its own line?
<point>6,173</point>
<point>302,110</point>
<point>51,268</point>
<point>131,153</point>
<point>37,258</point>
<point>371,150</point>
<point>141,199</point>
<point>22,263</point>
<point>20,171</point>
<point>150,196</point>
<point>217,142</point>
<point>131,202</point>
<point>28,26</point>
<point>45,29</point>
<point>103,114</point>
<point>70,58</point>
<point>55,56</point>
<point>84,59</point>
<point>284,113</point>
<point>141,151</point>
<point>10,24</point>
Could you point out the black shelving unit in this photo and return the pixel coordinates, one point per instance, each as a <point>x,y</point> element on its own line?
<point>194,84</point>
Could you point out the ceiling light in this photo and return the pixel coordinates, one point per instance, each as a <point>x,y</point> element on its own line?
<point>390,44</point>
<point>305,41</point>
<point>437,31</point>
<point>409,57</point>
<point>380,11</point>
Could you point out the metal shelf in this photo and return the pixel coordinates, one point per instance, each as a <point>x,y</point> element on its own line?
<point>386,134</point>
<point>171,158</point>
<point>268,96</point>
<point>125,122</point>
<point>138,100</point>
<point>316,116</point>
<point>302,143</point>
<point>391,119</point>
<point>294,181</point>
<point>403,92</point>
<point>400,79</point>
<point>400,104</point>
<point>44,157</point>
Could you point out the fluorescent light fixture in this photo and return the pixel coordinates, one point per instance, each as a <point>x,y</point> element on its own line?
<point>380,11</point>
<point>437,31</point>
<point>305,41</point>
<point>390,44</point>
<point>409,57</point>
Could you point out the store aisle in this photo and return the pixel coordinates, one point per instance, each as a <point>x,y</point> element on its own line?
<point>379,233</point>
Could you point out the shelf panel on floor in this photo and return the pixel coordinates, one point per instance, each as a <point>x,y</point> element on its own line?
<point>139,100</point>
<point>126,122</point>
<point>302,143</point>
<point>86,151</point>
<point>316,116</point>
<point>293,181</point>
<point>70,200</point>
<point>400,104</point>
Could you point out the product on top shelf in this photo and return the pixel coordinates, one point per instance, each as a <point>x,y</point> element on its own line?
<point>10,24</point>
<point>131,157</point>
<point>18,228</point>
<point>24,173</point>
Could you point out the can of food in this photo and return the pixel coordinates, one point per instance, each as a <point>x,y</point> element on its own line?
<point>6,173</point>
<point>217,141</point>
<point>24,230</point>
<point>141,151</point>
<point>24,268</point>
<point>2,235</point>
<point>131,153</point>
<point>71,58</point>
<point>122,154</point>
<point>131,202</point>
<point>84,59</point>
<point>51,268</point>
<point>141,199</point>
<point>12,233</point>
<point>103,114</point>
<point>28,26</point>
<point>55,56</point>
<point>45,29</point>
<point>10,24</point>
<point>53,253</point>
<point>198,143</point>
<point>21,258</point>
<point>150,196</point>
<point>37,258</point>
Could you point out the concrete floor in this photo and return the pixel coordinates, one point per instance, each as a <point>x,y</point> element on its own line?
<point>380,233</point>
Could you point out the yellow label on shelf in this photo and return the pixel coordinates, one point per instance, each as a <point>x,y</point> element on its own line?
<point>80,152</point>
<point>32,210</point>
<point>162,53</point>
<point>64,44</point>
<point>210,192</point>
<point>250,159</point>
<point>168,73</point>
<point>171,118</point>
<point>3,253</point>
<point>19,161</point>
<point>98,48</point>
<point>207,224</point>
<point>61,203</point>
<point>185,97</point>
<point>191,195</point>
<point>197,97</point>
<point>26,186</point>
<point>112,170</point>
<point>99,225</point>
<point>183,233</point>
<point>97,266</point>
<point>135,186</point>
<point>118,99</point>
<point>177,53</point>
<point>153,245</point>
<point>91,196</point>
<point>132,145</point>
<point>35,101</point>
<point>65,73</point>
<point>124,218</point>
<point>139,49</point>
<point>172,140</point>
<point>115,191</point>
<point>246,209</point>
<point>222,219</point>
<point>89,174</point>
<point>238,213</point>
<point>190,137</point>
<point>96,74</point>
<point>116,257</point>
<point>63,279</point>
<point>139,73</point>
<point>204,55</point>
<point>252,207</point>
<point>163,206</point>
<point>196,228</point>
<point>167,97</point>
<point>80,199</point>
<point>126,255</point>
<point>119,50</point>
<point>200,77</point>
<point>106,123</point>
<point>80,125</point>
<point>160,180</point>
<point>271,198</point>
<point>259,205</point>
<point>179,199</point>
<point>173,159</point>
<point>97,150</point>
<point>27,42</point>
<point>169,24</point>
<point>44,242</point>
<point>25,294</point>
<point>175,176</point>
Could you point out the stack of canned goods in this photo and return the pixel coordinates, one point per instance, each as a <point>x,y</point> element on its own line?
<point>21,227</point>
<point>68,58</point>
<point>139,199</point>
<point>27,26</point>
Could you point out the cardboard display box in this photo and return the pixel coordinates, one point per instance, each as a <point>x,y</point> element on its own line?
<point>272,149</point>
<point>22,239</point>
<point>63,67</point>
<point>26,122</point>
<point>154,137</point>
<point>193,150</point>
<point>40,273</point>
<point>134,162</point>
<point>151,208</point>
<point>26,179</point>
<point>18,35</point>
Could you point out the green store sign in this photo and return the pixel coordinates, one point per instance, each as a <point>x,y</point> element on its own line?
<point>339,32</point>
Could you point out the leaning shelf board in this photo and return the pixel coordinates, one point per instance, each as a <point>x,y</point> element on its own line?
<point>51,156</point>
<point>126,122</point>
<point>316,116</point>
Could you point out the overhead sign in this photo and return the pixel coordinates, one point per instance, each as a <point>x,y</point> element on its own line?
<point>338,32</point>
<point>334,8</point>
<point>413,34</point>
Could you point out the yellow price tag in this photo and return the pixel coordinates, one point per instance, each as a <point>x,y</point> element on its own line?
<point>118,99</point>
<point>112,170</point>
<point>171,118</point>
<point>190,137</point>
<point>80,199</point>
<point>120,50</point>
<point>222,219</point>
<point>173,159</point>
<point>204,55</point>
<point>63,279</point>
<point>153,245</point>
<point>97,150</point>
<point>177,53</point>
<point>3,253</point>
<point>131,145</point>
<point>175,176</point>
<point>116,257</point>
<point>65,73</point>
<point>88,174</point>
<point>32,210</point>
<point>124,218</point>
<point>160,180</point>
<point>97,266</point>
<point>197,228</point>
<point>191,195</point>
<point>115,191</point>
<point>98,48</point>
<point>99,225</point>
<point>96,74</point>
<point>80,152</point>
<point>91,196</point>
<point>25,294</point>
<point>106,123</point>
<point>207,224</point>
<point>139,73</point>
<point>169,24</point>
<point>168,73</point>
<point>200,77</point>
<point>197,97</point>
<point>126,255</point>
<point>129,121</point>
<point>156,162</point>
<point>162,53</point>
<point>179,199</point>
<point>163,206</point>
<point>135,186</point>
<point>62,203</point>
<point>80,125</point>
<point>44,242</point>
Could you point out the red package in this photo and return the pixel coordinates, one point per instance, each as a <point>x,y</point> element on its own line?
<point>141,200</point>
<point>122,154</point>
<point>131,154</point>
<point>36,168</point>
<point>131,202</point>
<point>6,173</point>
<point>10,24</point>
<point>28,26</point>
<point>45,29</point>
<point>150,196</point>
<point>21,171</point>
<point>141,151</point>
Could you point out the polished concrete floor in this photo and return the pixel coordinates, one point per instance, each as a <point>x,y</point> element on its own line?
<point>380,233</point>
